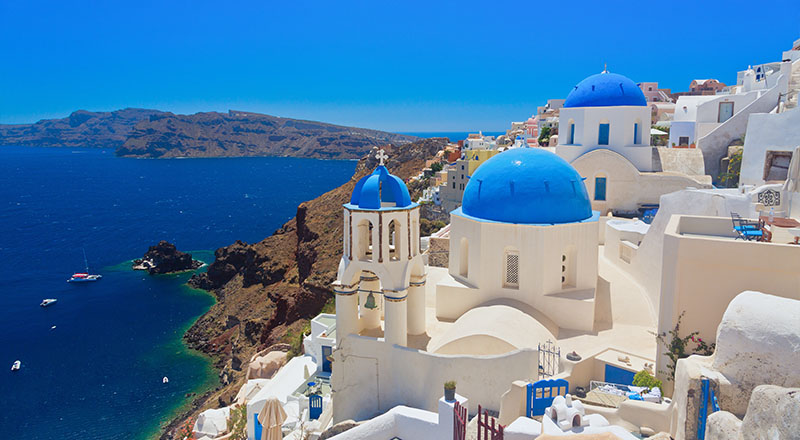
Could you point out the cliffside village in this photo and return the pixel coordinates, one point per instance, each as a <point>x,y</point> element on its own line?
<point>623,264</point>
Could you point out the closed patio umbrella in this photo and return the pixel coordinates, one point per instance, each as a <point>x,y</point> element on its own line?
<point>271,418</point>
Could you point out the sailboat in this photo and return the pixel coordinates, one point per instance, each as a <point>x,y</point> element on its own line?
<point>84,277</point>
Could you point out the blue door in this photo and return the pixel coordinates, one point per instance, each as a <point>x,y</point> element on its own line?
<point>599,188</point>
<point>257,427</point>
<point>326,363</point>
<point>314,406</point>
<point>602,137</point>
<point>541,394</point>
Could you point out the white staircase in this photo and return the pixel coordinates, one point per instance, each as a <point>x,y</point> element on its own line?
<point>794,86</point>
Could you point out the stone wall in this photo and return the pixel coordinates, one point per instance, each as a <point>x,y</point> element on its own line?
<point>439,252</point>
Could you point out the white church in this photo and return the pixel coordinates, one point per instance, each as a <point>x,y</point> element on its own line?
<point>604,132</point>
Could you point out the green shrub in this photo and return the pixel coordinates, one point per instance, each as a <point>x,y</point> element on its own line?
<point>237,425</point>
<point>450,385</point>
<point>645,379</point>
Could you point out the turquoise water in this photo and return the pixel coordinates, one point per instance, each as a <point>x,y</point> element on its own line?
<point>97,375</point>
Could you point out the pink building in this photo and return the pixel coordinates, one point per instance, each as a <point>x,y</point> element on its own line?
<point>653,93</point>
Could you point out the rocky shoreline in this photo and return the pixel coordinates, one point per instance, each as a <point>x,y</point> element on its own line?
<point>165,258</point>
<point>268,291</point>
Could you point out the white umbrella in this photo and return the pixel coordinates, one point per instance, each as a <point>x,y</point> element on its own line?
<point>657,132</point>
<point>271,418</point>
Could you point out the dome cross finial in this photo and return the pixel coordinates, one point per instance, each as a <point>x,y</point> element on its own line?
<point>381,156</point>
<point>605,68</point>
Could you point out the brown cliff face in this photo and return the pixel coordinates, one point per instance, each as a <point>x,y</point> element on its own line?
<point>80,129</point>
<point>249,134</point>
<point>268,289</point>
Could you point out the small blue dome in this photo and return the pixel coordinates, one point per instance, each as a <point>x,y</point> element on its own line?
<point>605,90</point>
<point>527,185</point>
<point>380,186</point>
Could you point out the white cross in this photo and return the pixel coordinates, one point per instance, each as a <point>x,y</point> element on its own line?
<point>381,156</point>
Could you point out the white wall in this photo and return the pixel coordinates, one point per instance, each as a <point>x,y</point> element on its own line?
<point>370,377</point>
<point>541,250</point>
<point>767,132</point>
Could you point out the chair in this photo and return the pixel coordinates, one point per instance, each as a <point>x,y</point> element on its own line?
<point>745,229</point>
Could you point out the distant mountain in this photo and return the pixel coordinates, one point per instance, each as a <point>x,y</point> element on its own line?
<point>81,129</point>
<point>249,134</point>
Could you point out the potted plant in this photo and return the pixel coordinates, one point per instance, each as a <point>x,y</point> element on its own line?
<point>450,390</point>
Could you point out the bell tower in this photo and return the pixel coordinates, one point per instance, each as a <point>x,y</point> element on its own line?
<point>381,274</point>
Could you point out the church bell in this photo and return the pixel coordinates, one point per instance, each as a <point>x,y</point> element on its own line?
<point>370,304</point>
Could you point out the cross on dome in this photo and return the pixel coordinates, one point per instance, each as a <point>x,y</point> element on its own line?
<point>381,156</point>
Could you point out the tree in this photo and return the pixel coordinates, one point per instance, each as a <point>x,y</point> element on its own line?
<point>544,136</point>
<point>436,167</point>
<point>731,177</point>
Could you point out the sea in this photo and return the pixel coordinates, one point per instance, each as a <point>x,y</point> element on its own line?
<point>93,363</point>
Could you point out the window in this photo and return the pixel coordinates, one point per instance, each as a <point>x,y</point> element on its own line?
<point>649,89</point>
<point>600,188</point>
<point>454,184</point>
<point>511,278</point>
<point>725,111</point>
<point>683,141</point>
<point>602,136</point>
<point>776,165</point>
<point>394,242</point>
<point>636,135</point>
<point>364,241</point>
<point>571,139</point>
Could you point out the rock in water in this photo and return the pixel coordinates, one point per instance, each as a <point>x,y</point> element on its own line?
<point>165,258</point>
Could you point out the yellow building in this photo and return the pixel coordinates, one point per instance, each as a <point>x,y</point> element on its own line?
<point>476,157</point>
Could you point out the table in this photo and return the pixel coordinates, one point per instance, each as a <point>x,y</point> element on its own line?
<point>780,222</point>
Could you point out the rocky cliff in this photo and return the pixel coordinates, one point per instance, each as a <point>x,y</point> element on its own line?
<point>80,129</point>
<point>267,291</point>
<point>165,258</point>
<point>250,134</point>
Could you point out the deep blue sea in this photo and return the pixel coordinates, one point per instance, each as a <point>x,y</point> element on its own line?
<point>454,136</point>
<point>98,374</point>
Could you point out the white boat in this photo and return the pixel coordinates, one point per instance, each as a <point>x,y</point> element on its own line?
<point>16,365</point>
<point>165,380</point>
<point>84,277</point>
<point>47,302</point>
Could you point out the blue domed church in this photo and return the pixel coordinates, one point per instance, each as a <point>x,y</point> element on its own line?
<point>525,234</point>
<point>604,132</point>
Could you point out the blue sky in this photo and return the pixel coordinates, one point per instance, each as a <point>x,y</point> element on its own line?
<point>399,66</point>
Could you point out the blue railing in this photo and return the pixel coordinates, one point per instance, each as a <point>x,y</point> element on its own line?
<point>702,416</point>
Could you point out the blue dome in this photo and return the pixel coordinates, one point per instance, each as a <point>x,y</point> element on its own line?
<point>605,90</point>
<point>527,185</point>
<point>380,186</point>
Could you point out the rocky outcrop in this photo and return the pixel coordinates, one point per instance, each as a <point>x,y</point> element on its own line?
<point>273,287</point>
<point>773,413</point>
<point>165,258</point>
<point>80,129</point>
<point>249,134</point>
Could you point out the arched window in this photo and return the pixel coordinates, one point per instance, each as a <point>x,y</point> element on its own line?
<point>463,258</point>
<point>511,269</point>
<point>364,241</point>
<point>394,240</point>
<point>637,132</point>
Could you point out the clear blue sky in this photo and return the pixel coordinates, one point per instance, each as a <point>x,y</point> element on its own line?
<point>400,65</point>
